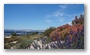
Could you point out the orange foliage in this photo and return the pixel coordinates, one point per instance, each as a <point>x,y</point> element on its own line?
<point>65,29</point>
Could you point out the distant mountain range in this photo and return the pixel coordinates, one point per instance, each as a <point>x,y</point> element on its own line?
<point>21,30</point>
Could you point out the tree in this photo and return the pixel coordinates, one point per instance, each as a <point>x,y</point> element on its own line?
<point>79,20</point>
<point>48,31</point>
<point>13,34</point>
<point>34,33</point>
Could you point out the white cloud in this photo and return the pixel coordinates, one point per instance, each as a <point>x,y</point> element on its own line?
<point>58,14</point>
<point>49,21</point>
<point>61,20</point>
<point>75,5</point>
<point>70,23</point>
<point>61,16</point>
<point>63,6</point>
<point>48,16</point>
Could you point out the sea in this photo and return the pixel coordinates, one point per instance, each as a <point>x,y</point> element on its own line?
<point>8,33</point>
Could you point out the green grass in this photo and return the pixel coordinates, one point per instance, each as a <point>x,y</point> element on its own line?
<point>23,41</point>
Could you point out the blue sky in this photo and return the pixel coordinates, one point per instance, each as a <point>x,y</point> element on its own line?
<point>39,16</point>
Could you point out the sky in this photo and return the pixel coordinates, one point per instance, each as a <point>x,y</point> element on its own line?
<point>40,16</point>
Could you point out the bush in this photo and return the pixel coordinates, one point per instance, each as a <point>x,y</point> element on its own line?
<point>24,44</point>
<point>13,34</point>
<point>7,46</point>
<point>48,31</point>
<point>34,33</point>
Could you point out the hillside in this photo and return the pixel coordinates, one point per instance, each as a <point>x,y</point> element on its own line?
<point>63,31</point>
